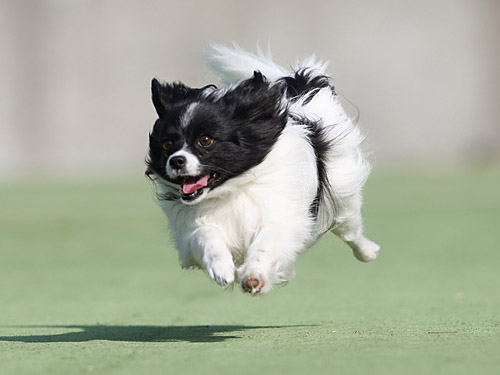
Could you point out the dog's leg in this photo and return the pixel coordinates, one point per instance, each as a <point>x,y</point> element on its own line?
<point>209,249</point>
<point>349,228</point>
<point>270,260</point>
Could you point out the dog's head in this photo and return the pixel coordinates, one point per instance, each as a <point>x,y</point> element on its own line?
<point>204,137</point>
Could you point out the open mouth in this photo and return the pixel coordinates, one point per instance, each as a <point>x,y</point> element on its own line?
<point>193,186</point>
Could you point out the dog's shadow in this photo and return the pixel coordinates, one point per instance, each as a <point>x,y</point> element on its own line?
<point>84,333</point>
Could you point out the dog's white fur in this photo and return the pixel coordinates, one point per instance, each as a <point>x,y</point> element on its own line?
<point>256,224</point>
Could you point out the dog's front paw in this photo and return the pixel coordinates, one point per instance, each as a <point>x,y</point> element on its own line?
<point>365,250</point>
<point>253,284</point>
<point>221,271</point>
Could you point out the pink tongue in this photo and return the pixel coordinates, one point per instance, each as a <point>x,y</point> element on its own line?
<point>191,187</point>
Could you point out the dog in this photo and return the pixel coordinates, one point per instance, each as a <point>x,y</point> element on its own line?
<point>252,174</point>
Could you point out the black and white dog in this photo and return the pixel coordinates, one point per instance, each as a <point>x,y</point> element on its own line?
<point>252,174</point>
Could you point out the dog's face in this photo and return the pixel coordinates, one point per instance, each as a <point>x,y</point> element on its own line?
<point>204,137</point>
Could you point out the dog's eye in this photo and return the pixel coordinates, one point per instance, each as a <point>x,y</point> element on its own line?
<point>167,145</point>
<point>205,140</point>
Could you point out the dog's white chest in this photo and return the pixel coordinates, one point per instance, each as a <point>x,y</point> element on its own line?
<point>237,219</point>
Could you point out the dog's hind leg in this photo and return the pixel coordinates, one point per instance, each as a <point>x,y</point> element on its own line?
<point>349,228</point>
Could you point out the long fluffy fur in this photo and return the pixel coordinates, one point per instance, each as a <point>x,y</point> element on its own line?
<point>252,227</point>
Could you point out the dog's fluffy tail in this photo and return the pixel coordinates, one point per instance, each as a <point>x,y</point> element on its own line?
<point>235,64</point>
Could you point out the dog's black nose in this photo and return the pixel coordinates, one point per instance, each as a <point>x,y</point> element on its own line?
<point>177,162</point>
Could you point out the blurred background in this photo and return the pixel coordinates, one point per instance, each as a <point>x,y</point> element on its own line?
<point>75,74</point>
<point>89,278</point>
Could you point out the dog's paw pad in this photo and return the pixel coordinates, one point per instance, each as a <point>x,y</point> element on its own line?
<point>253,284</point>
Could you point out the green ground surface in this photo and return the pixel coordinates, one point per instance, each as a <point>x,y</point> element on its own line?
<point>90,284</point>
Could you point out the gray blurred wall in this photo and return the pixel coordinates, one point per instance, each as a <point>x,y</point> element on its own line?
<point>75,74</point>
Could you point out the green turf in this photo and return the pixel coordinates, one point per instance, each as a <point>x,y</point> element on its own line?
<point>89,284</point>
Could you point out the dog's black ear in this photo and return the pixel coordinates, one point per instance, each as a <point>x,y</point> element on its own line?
<point>157,90</point>
<point>168,95</point>
<point>255,99</point>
